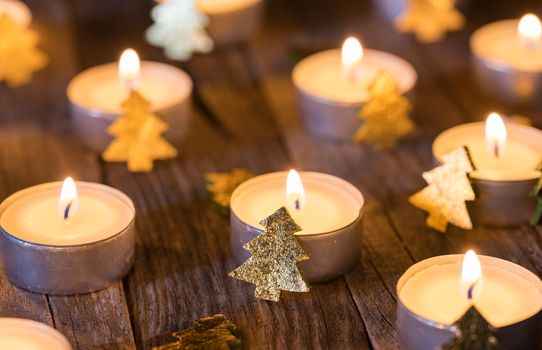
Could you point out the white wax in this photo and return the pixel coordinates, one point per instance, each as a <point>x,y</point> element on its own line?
<point>99,89</point>
<point>16,10</point>
<point>20,334</point>
<point>321,75</point>
<point>522,155</point>
<point>331,203</point>
<point>33,216</point>
<point>499,44</point>
<point>507,295</point>
<point>213,7</point>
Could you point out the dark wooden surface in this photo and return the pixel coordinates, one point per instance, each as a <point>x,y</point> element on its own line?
<point>245,115</point>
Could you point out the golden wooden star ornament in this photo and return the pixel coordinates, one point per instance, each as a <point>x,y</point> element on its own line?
<point>430,20</point>
<point>138,136</point>
<point>448,189</point>
<point>385,115</point>
<point>19,54</point>
<point>220,185</point>
<point>275,254</point>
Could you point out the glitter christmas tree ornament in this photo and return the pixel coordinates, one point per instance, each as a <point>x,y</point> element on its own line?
<point>19,54</point>
<point>448,188</point>
<point>385,115</point>
<point>138,136</point>
<point>179,28</point>
<point>275,254</point>
<point>430,20</point>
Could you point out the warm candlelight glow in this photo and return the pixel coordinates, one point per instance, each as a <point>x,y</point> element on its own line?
<point>495,135</point>
<point>129,68</point>
<point>68,201</point>
<point>471,275</point>
<point>530,31</point>
<point>352,53</point>
<point>295,193</point>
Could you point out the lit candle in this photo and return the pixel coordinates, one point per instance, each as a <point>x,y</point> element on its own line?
<point>21,334</point>
<point>509,58</point>
<point>45,227</point>
<point>96,96</point>
<point>529,32</point>
<point>332,85</point>
<point>231,21</point>
<point>327,208</point>
<point>17,10</point>
<point>351,55</point>
<point>506,157</point>
<point>129,69</point>
<point>436,292</point>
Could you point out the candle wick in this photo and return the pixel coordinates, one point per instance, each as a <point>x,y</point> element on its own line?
<point>67,211</point>
<point>470,291</point>
<point>496,149</point>
<point>297,204</point>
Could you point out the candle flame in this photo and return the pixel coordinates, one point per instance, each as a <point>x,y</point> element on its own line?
<point>295,193</point>
<point>351,53</point>
<point>68,201</point>
<point>495,135</point>
<point>530,31</point>
<point>129,68</point>
<point>471,275</point>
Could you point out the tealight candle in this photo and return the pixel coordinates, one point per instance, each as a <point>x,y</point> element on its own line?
<point>67,238</point>
<point>96,96</point>
<point>231,21</point>
<point>21,334</point>
<point>332,85</point>
<point>327,208</point>
<point>506,157</point>
<point>508,58</point>
<point>436,292</point>
<point>17,10</point>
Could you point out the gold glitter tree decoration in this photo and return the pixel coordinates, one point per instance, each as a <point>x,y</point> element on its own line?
<point>473,332</point>
<point>385,115</point>
<point>430,20</point>
<point>221,185</point>
<point>449,187</point>
<point>138,136</point>
<point>208,333</point>
<point>275,254</point>
<point>19,54</point>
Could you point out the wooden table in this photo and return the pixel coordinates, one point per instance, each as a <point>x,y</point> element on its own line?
<point>245,115</point>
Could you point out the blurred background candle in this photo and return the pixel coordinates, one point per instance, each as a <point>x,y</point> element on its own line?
<point>508,59</point>
<point>21,334</point>
<point>96,96</point>
<point>332,85</point>
<point>436,292</point>
<point>506,157</point>
<point>17,10</point>
<point>66,238</point>
<point>231,21</point>
<point>327,208</point>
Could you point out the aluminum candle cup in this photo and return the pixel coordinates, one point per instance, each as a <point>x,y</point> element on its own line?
<point>44,253</point>
<point>96,96</point>
<point>429,301</point>
<point>231,21</point>
<point>505,65</point>
<point>331,220</point>
<point>329,101</point>
<point>501,185</point>
<point>22,334</point>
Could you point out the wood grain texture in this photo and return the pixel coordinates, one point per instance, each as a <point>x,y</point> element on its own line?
<point>245,115</point>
